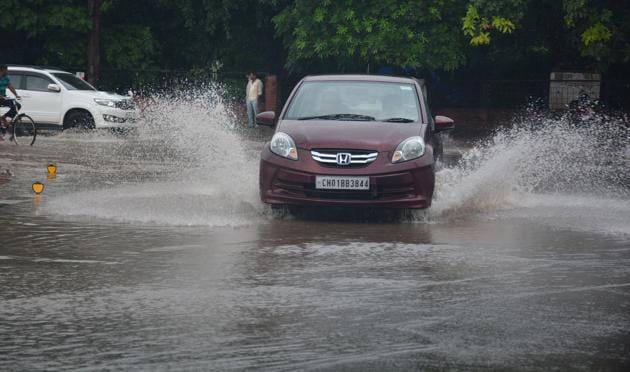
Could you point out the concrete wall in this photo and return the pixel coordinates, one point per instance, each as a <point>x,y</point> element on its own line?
<point>565,87</point>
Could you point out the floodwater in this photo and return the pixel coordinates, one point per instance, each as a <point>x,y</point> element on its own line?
<point>152,252</point>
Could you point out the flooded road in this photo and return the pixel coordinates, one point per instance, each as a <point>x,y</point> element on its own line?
<point>152,252</point>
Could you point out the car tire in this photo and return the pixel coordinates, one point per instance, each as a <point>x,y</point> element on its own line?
<point>81,120</point>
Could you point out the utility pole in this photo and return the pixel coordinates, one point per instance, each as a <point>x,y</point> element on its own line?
<point>94,47</point>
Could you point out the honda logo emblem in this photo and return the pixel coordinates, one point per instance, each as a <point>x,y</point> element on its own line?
<point>344,158</point>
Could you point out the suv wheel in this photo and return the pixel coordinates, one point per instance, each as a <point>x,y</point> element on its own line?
<point>79,120</point>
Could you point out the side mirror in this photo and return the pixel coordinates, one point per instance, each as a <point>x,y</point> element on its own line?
<point>267,118</point>
<point>443,123</point>
<point>54,88</point>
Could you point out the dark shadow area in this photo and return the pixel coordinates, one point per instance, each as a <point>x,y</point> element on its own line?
<point>350,214</point>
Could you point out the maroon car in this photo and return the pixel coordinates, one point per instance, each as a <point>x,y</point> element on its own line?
<point>352,140</point>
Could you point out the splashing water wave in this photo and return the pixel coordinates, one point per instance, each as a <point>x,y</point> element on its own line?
<point>546,168</point>
<point>206,173</point>
<point>185,165</point>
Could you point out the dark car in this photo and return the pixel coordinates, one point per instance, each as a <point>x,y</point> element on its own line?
<point>352,140</point>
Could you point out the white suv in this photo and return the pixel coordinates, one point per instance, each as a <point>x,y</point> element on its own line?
<point>59,99</point>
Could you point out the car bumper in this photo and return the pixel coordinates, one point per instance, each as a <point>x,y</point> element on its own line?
<point>106,117</point>
<point>404,185</point>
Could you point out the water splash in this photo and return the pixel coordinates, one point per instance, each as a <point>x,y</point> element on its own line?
<point>189,164</point>
<point>185,164</point>
<point>585,159</point>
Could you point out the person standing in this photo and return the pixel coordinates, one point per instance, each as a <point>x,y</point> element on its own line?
<point>253,93</point>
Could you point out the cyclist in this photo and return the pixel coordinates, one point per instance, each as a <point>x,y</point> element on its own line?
<point>6,102</point>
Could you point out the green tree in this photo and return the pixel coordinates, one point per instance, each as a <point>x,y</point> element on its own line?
<point>486,16</point>
<point>600,29</point>
<point>491,38</point>
<point>417,33</point>
<point>596,29</point>
<point>44,32</point>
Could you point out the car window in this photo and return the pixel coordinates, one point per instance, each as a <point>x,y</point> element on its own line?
<point>16,80</point>
<point>71,82</point>
<point>37,83</point>
<point>379,100</point>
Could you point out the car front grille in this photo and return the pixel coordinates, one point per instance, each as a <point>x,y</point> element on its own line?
<point>344,158</point>
<point>125,104</point>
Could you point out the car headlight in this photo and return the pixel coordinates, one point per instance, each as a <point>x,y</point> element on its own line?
<point>409,149</point>
<point>105,102</point>
<point>283,145</point>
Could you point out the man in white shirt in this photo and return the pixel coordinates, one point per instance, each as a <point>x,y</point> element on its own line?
<point>253,92</point>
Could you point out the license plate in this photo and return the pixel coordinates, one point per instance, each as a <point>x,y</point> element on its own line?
<point>342,183</point>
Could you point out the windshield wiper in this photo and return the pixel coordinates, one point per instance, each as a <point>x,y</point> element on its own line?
<point>398,120</point>
<point>356,117</point>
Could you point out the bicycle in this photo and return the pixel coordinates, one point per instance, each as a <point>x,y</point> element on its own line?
<point>22,127</point>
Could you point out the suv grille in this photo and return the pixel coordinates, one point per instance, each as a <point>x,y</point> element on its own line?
<point>344,158</point>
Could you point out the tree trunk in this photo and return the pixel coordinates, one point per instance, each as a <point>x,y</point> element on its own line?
<point>94,47</point>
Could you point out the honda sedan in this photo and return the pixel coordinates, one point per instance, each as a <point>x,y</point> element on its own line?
<point>352,140</point>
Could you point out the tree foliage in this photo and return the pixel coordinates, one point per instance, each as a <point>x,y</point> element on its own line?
<point>597,29</point>
<point>44,32</point>
<point>304,36</point>
<point>602,27</point>
<point>418,33</point>
<point>478,26</point>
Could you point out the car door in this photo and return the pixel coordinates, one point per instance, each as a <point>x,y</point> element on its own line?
<point>43,105</point>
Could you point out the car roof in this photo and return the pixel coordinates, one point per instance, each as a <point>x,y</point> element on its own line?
<point>35,69</point>
<point>376,78</point>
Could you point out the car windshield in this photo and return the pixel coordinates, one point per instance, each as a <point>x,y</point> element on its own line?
<point>355,101</point>
<point>72,82</point>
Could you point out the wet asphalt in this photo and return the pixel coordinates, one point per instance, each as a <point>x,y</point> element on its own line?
<point>116,267</point>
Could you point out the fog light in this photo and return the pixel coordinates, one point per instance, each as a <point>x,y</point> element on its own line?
<point>113,119</point>
<point>38,187</point>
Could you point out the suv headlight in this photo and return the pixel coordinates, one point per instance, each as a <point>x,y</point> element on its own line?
<point>283,145</point>
<point>105,102</point>
<point>409,149</point>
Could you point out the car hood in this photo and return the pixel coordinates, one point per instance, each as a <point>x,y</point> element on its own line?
<point>99,94</point>
<point>364,135</point>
